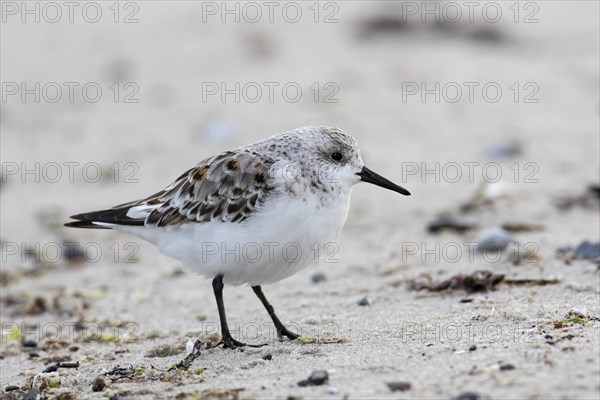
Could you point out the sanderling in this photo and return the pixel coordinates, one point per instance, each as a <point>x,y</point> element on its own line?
<point>254,215</point>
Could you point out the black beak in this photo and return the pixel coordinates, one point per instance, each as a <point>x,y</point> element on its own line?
<point>366,175</point>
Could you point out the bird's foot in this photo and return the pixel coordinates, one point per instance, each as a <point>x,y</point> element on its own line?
<point>283,331</point>
<point>229,342</point>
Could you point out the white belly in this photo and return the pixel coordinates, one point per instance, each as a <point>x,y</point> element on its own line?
<point>285,236</point>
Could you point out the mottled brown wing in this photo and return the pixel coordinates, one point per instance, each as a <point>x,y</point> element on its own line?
<point>228,188</point>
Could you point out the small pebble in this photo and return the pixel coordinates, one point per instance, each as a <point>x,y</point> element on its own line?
<point>120,69</point>
<point>448,222</point>
<point>473,348</point>
<point>494,190</point>
<point>318,277</point>
<point>267,357</point>
<point>52,368</point>
<point>588,250</point>
<point>382,25</point>
<point>468,396</point>
<point>400,386</point>
<point>494,239</point>
<point>37,306</point>
<point>504,152</point>
<point>507,367</point>
<point>73,253</point>
<point>99,384</point>
<point>590,199</point>
<point>364,302</point>
<point>317,378</point>
<point>10,388</point>
<point>467,300</point>
<point>29,343</point>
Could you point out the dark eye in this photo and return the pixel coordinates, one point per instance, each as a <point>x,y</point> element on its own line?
<point>337,156</point>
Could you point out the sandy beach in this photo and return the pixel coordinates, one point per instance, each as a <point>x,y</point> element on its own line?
<point>495,123</point>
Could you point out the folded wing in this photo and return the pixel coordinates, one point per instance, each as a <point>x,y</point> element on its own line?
<point>228,188</point>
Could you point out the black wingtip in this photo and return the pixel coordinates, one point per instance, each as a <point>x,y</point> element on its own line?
<point>84,224</point>
<point>113,216</point>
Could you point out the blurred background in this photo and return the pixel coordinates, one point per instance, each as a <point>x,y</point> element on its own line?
<point>106,102</point>
<point>169,84</point>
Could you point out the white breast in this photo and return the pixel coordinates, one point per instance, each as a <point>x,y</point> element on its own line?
<point>286,235</point>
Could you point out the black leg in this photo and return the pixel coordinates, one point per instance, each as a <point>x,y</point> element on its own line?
<point>228,341</point>
<point>281,329</point>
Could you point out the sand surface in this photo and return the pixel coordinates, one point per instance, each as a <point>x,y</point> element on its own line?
<point>131,307</point>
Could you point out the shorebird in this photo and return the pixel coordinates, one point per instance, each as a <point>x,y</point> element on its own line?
<point>252,215</point>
